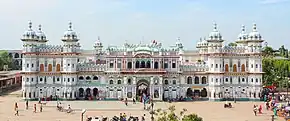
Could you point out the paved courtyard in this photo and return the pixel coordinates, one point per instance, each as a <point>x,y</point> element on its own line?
<point>209,111</point>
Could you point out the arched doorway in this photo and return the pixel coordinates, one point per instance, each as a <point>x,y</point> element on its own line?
<point>96,92</point>
<point>189,92</point>
<point>203,80</point>
<point>81,92</point>
<point>142,89</point>
<point>156,65</point>
<point>88,93</point>
<point>148,64</point>
<point>137,64</point>
<point>203,93</point>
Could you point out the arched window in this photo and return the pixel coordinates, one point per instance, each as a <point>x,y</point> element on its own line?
<point>137,64</point>
<point>129,81</point>
<point>165,82</point>
<point>119,82</point>
<point>49,67</point>
<point>143,64</point>
<point>189,80</point>
<point>148,64</point>
<point>203,80</point>
<point>174,82</point>
<point>111,82</point>
<point>81,78</point>
<point>88,78</point>
<point>58,67</point>
<point>243,68</point>
<point>129,65</point>
<point>235,68</point>
<point>41,68</point>
<point>95,78</point>
<point>196,80</point>
<point>16,55</point>
<point>155,65</point>
<point>226,68</point>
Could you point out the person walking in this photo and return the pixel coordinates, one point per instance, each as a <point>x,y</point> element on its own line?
<point>16,109</point>
<point>26,104</point>
<point>40,108</point>
<point>255,110</point>
<point>126,101</point>
<point>34,106</point>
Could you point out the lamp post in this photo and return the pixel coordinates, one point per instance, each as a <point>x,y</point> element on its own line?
<point>82,116</point>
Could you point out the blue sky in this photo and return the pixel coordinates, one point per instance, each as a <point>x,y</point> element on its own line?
<point>163,20</point>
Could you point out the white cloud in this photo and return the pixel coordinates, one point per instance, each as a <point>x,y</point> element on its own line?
<point>272,1</point>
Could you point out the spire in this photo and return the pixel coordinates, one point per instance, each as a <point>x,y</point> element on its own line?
<point>178,39</point>
<point>29,25</point>
<point>243,28</point>
<point>215,27</point>
<point>69,26</point>
<point>39,27</point>
<point>254,27</point>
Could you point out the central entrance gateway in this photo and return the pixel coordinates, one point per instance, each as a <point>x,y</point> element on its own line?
<point>142,89</point>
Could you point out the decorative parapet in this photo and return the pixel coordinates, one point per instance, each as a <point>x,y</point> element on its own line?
<point>91,67</point>
<point>201,67</point>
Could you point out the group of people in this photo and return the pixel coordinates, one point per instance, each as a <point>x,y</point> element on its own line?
<point>16,108</point>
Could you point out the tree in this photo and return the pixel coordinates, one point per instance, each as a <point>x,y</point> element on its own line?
<point>163,115</point>
<point>232,44</point>
<point>5,59</point>
<point>268,51</point>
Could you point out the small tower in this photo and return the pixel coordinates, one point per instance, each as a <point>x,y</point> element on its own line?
<point>254,41</point>
<point>98,46</point>
<point>71,50</point>
<point>242,38</point>
<point>29,39</point>
<point>215,40</point>
<point>41,36</point>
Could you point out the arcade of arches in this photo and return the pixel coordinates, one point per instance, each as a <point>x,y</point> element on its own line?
<point>196,92</point>
<point>196,80</point>
<point>88,94</point>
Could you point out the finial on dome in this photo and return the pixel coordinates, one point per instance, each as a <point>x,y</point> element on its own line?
<point>178,38</point>
<point>243,28</point>
<point>29,24</point>
<point>70,26</point>
<point>99,39</point>
<point>254,27</point>
<point>214,26</point>
<point>200,39</point>
<point>39,27</point>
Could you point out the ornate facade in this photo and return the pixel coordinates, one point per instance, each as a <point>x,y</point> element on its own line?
<point>213,72</point>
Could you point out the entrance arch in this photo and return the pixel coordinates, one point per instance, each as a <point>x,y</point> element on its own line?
<point>142,88</point>
<point>88,92</point>
<point>189,92</point>
<point>81,92</point>
<point>95,92</point>
<point>203,93</point>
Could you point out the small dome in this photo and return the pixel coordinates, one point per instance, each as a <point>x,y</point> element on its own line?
<point>243,35</point>
<point>30,33</point>
<point>70,34</point>
<point>98,42</point>
<point>215,34</point>
<point>40,34</point>
<point>254,35</point>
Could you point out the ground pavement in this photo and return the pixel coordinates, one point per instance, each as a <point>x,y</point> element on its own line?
<point>209,111</point>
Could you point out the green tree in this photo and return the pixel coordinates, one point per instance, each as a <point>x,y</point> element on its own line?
<point>232,44</point>
<point>268,51</point>
<point>171,115</point>
<point>5,59</point>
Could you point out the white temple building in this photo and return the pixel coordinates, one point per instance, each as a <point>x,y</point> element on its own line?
<point>212,72</point>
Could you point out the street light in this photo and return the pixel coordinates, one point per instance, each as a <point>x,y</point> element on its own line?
<point>83,112</point>
<point>152,111</point>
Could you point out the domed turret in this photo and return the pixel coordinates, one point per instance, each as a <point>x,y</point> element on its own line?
<point>98,46</point>
<point>70,35</point>
<point>41,35</point>
<point>254,35</point>
<point>178,43</point>
<point>215,34</point>
<point>29,34</point>
<point>243,35</point>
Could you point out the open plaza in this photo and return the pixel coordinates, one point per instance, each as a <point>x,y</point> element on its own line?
<point>209,111</point>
